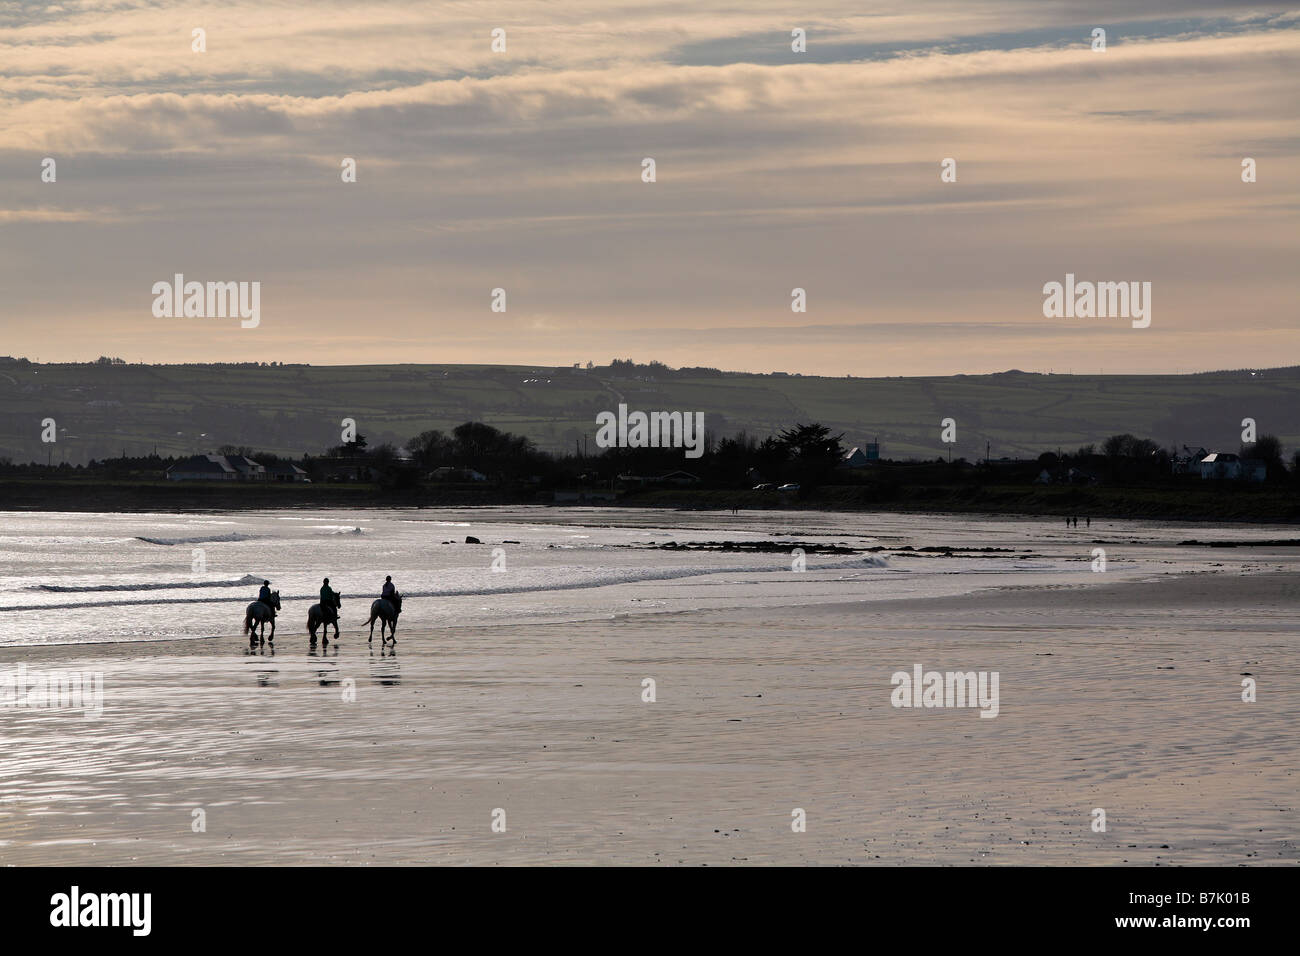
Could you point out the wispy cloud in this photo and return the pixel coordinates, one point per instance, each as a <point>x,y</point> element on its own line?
<point>521,170</point>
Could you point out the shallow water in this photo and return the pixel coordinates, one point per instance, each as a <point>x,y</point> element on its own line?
<point>522,691</point>
<point>75,578</point>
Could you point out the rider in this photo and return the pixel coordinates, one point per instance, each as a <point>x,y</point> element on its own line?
<point>264,595</point>
<point>328,598</point>
<point>390,592</point>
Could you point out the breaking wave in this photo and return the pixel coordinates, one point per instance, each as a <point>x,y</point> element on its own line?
<point>203,539</point>
<point>551,580</point>
<point>243,582</point>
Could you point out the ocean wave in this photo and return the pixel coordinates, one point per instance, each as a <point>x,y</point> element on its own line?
<point>246,581</point>
<point>596,579</point>
<point>202,539</point>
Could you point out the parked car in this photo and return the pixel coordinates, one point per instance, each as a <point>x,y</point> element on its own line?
<point>789,486</point>
<point>765,486</point>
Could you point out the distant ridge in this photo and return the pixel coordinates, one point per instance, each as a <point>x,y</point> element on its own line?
<point>103,410</point>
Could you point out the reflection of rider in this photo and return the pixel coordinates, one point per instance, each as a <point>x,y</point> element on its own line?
<point>328,602</point>
<point>264,595</point>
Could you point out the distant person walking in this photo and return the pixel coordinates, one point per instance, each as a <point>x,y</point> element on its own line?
<point>1089,520</point>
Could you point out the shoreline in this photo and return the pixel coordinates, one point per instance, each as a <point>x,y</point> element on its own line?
<point>1009,594</point>
<point>1190,503</point>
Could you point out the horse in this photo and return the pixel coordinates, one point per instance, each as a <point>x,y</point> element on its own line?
<point>316,616</point>
<point>259,613</point>
<point>386,611</point>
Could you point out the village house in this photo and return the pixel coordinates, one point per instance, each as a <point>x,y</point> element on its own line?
<point>285,471</point>
<point>1188,461</point>
<point>1225,465</point>
<point>248,469</point>
<point>232,468</point>
<point>860,457</point>
<point>202,468</point>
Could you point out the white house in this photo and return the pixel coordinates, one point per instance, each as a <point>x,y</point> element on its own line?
<point>1219,464</point>
<point>248,469</point>
<point>219,468</point>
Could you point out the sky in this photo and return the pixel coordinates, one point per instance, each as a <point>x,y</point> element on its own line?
<point>522,170</point>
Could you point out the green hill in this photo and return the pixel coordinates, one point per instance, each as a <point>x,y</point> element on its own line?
<point>105,410</point>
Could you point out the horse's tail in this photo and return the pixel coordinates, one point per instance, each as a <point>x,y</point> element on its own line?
<point>247,622</point>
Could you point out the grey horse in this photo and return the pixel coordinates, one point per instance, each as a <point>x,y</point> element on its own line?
<point>385,611</point>
<point>316,616</point>
<point>259,613</point>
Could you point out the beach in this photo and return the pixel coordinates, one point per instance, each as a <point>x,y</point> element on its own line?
<point>528,738</point>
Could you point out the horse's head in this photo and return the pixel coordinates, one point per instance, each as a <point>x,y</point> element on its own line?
<point>275,600</point>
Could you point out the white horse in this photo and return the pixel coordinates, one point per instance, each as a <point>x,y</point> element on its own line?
<point>385,611</point>
<point>259,613</point>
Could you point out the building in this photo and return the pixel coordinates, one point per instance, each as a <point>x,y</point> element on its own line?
<point>203,468</point>
<point>248,469</point>
<point>230,468</point>
<point>861,456</point>
<point>285,471</point>
<point>1220,465</point>
<point>1188,461</point>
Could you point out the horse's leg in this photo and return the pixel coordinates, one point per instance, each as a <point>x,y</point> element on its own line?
<point>372,630</point>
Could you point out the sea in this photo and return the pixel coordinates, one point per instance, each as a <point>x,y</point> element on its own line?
<point>73,577</point>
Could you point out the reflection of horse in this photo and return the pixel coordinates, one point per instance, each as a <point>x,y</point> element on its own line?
<point>317,615</point>
<point>386,611</point>
<point>259,613</point>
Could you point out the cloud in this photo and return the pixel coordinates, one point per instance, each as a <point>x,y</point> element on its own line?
<point>522,170</point>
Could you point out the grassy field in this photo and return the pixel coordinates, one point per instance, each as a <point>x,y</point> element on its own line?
<point>105,411</point>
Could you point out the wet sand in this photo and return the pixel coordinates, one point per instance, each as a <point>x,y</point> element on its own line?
<point>1121,696</point>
